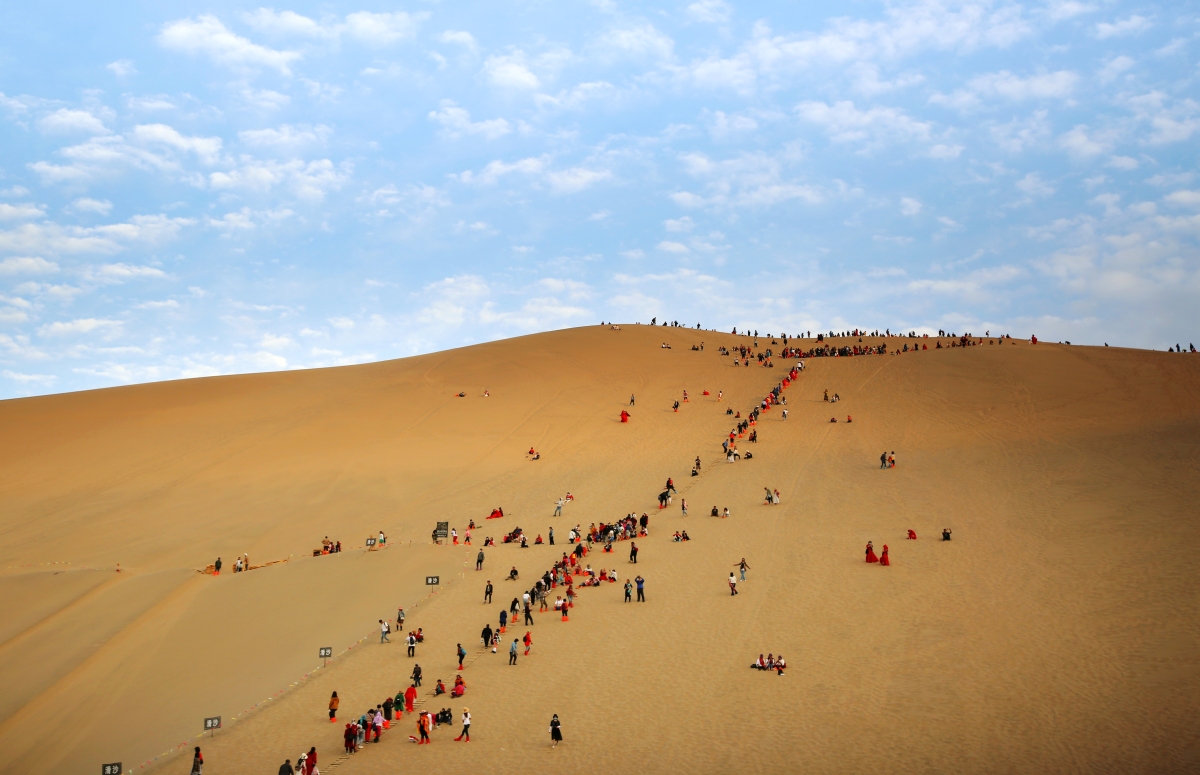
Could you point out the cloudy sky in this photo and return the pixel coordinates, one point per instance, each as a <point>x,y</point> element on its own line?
<point>193,189</point>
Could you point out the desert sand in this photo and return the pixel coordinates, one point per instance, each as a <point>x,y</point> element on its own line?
<point>1059,631</point>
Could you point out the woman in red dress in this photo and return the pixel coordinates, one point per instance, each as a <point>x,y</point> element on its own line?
<point>883,558</point>
<point>871,553</point>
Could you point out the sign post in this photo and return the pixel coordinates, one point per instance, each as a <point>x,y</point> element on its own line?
<point>433,581</point>
<point>325,653</point>
<point>443,530</point>
<point>110,769</point>
<point>371,544</point>
<point>212,724</point>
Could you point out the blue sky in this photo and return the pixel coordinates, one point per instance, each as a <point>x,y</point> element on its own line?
<point>192,189</point>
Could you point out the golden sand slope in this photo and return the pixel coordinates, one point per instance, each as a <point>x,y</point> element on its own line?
<point>1056,633</point>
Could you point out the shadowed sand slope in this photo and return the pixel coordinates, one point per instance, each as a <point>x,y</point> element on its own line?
<point>1057,632</point>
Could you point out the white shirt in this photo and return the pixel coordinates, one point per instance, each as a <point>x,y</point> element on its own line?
<point>466,719</point>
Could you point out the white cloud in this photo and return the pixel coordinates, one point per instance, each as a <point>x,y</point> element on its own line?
<point>122,68</point>
<point>308,180</point>
<point>1114,67</point>
<point>286,138</point>
<point>38,379</point>
<point>1079,142</point>
<point>1046,86</point>
<point>634,253</point>
<point>27,265</point>
<point>510,71</point>
<point>570,181</point>
<point>748,180</point>
<point>53,238</point>
<point>1033,185</point>
<point>285,23</point>
<point>247,219</point>
<point>456,122</point>
<point>207,149</point>
<point>722,124</point>
<point>69,121</point>
<point>81,326</point>
<point>1183,198</point>
<point>272,342</point>
<point>909,206</point>
<point>121,272</point>
<point>1123,163</point>
<point>494,170</point>
<point>710,11</point>
<point>383,29</point>
<point>668,246</point>
<point>844,123</point>
<point>166,304</point>
<point>20,212</point>
<point>418,202</point>
<point>641,41</point>
<point>599,215</point>
<point>682,224</point>
<point>1020,134</point>
<point>206,35</point>
<point>1133,25</point>
<point>460,38</point>
<point>343,323</point>
<point>87,205</point>
<point>945,151</point>
<point>15,191</point>
<point>1067,9</point>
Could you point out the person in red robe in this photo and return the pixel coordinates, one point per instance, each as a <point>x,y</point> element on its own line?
<point>871,553</point>
<point>624,416</point>
<point>883,558</point>
<point>410,696</point>
<point>912,535</point>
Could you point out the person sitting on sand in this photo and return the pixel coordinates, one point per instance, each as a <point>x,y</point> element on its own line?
<point>512,574</point>
<point>420,635</point>
<point>725,513</point>
<point>759,664</point>
<point>676,538</point>
<point>779,664</point>
<point>912,535</point>
<point>460,686</point>
<point>715,513</point>
<point>685,537</point>
<point>538,540</point>
<point>945,534</point>
<point>440,688</point>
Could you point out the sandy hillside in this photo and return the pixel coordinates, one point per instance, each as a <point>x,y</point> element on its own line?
<point>1058,632</point>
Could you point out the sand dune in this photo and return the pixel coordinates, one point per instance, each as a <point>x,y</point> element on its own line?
<point>1057,632</point>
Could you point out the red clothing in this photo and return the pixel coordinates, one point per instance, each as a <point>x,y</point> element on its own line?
<point>410,696</point>
<point>883,558</point>
<point>871,554</point>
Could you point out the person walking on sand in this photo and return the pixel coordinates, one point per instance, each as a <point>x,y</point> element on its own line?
<point>892,459</point>
<point>487,592</point>
<point>512,652</point>
<point>883,558</point>
<point>528,642</point>
<point>732,584</point>
<point>197,762</point>
<point>217,567</point>
<point>633,550</point>
<point>333,707</point>
<point>871,553</point>
<point>286,767</point>
<point>384,629</point>
<point>466,722</point>
<point>411,640</point>
<point>683,506</point>
<point>462,654</point>
<point>628,591</point>
<point>555,731</point>
<point>558,504</point>
<point>416,675</point>
<point>552,535</point>
<point>310,763</point>
<point>479,560</point>
<point>743,566</point>
<point>410,696</point>
<point>883,459</point>
<point>641,583</point>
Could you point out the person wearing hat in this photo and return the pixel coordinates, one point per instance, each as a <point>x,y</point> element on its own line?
<point>466,721</point>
